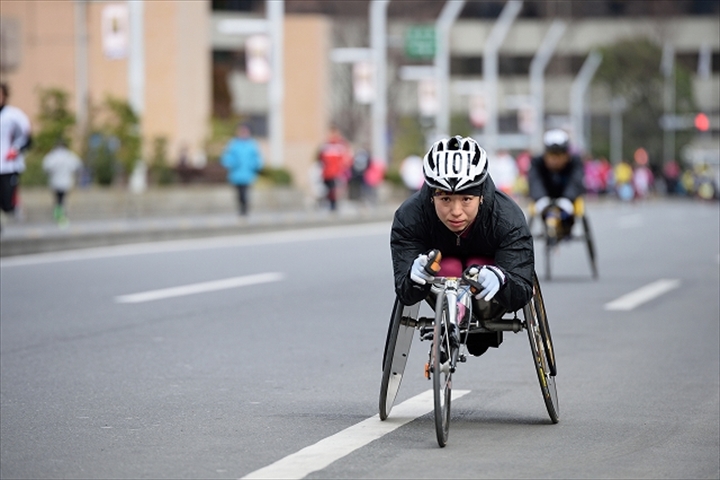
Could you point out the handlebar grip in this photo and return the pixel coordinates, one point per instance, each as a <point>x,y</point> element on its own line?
<point>475,287</point>
<point>433,265</point>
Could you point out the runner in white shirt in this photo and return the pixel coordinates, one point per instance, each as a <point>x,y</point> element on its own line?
<point>14,139</point>
<point>61,165</point>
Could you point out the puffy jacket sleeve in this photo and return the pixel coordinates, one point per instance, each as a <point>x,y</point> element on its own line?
<point>228,158</point>
<point>405,246</point>
<point>515,256</point>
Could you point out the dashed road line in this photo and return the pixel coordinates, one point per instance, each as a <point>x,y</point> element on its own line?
<point>328,450</point>
<point>200,287</point>
<point>642,295</point>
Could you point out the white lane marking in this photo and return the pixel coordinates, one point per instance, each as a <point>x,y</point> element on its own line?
<point>241,240</point>
<point>326,451</point>
<point>635,298</point>
<point>200,287</point>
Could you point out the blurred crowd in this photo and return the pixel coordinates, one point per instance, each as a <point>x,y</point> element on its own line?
<point>626,181</point>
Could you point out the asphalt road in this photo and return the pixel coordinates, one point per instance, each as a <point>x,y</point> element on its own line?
<point>274,342</point>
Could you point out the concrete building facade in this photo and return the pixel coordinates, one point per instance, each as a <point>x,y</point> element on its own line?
<point>166,70</point>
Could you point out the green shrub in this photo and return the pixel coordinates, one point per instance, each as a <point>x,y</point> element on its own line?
<point>160,171</point>
<point>278,176</point>
<point>54,123</point>
<point>103,162</point>
<point>122,123</point>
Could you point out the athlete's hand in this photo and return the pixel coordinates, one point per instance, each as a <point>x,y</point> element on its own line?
<point>418,274</point>
<point>542,204</point>
<point>11,155</point>
<point>566,205</point>
<point>491,279</point>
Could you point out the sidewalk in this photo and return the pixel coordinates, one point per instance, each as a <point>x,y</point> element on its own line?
<point>103,218</point>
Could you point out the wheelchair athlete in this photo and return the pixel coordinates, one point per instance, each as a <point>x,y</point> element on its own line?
<point>555,181</point>
<point>459,212</point>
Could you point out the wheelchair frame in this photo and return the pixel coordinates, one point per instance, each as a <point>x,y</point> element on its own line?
<point>550,246</point>
<point>449,347</point>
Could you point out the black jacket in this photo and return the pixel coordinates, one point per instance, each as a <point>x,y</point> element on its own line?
<point>567,183</point>
<point>499,231</point>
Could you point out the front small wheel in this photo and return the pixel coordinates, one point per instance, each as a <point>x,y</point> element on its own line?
<point>441,354</point>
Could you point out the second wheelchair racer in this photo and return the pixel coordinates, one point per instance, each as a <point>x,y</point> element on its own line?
<point>459,212</point>
<point>556,180</point>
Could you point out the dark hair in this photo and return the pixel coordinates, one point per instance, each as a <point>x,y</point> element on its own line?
<point>5,89</point>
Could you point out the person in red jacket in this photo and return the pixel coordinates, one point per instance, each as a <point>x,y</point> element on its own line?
<point>335,159</point>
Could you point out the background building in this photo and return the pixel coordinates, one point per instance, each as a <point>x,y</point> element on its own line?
<point>187,76</point>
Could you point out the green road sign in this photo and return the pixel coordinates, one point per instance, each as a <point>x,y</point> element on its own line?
<point>420,41</point>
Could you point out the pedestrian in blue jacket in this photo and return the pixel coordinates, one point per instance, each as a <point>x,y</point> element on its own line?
<point>243,161</point>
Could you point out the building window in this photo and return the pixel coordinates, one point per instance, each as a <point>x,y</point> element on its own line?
<point>237,5</point>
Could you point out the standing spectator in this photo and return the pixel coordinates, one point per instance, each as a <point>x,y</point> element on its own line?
<point>504,172</point>
<point>642,178</point>
<point>374,175</point>
<point>671,175</point>
<point>14,139</point>
<point>411,172</point>
<point>523,160</point>
<point>593,176</point>
<point>334,157</point>
<point>623,175</point>
<point>61,165</point>
<point>356,184</point>
<point>243,161</point>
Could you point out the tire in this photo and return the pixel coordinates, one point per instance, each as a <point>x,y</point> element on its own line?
<point>590,246</point>
<point>544,326</point>
<point>397,346</point>
<point>441,374</point>
<point>548,259</point>
<point>541,357</point>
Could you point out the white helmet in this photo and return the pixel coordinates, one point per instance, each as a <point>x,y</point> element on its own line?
<point>455,164</point>
<point>556,141</point>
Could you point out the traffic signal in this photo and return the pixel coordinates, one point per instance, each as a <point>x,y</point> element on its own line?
<point>702,122</point>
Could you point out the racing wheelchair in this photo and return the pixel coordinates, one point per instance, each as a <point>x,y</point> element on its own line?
<point>449,332</point>
<point>553,233</point>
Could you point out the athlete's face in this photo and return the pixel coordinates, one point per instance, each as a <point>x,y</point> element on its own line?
<point>556,161</point>
<point>456,212</point>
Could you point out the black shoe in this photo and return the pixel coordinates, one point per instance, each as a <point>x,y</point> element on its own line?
<point>478,343</point>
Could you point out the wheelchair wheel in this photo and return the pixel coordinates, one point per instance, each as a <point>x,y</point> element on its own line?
<point>544,325</point>
<point>542,355</point>
<point>590,245</point>
<point>441,374</point>
<point>397,346</point>
<point>549,248</point>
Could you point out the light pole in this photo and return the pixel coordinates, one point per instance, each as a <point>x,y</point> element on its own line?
<point>577,97</point>
<point>136,59</point>
<point>448,15</point>
<point>490,70</point>
<point>81,65</point>
<point>275,13</point>
<point>667,67</point>
<point>537,80</point>
<point>378,47</point>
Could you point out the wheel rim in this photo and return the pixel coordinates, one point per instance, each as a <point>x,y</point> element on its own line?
<point>442,377</point>
<point>544,326</point>
<point>398,344</point>
<point>542,365</point>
